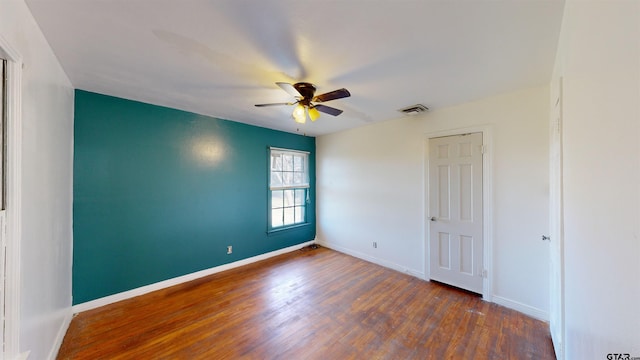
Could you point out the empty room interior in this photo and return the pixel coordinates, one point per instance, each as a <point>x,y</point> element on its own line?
<point>301,180</point>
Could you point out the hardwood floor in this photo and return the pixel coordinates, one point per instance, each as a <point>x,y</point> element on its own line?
<point>309,304</point>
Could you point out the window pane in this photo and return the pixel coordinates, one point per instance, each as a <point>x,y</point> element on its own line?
<point>276,179</point>
<point>287,178</point>
<point>297,178</point>
<point>289,217</point>
<point>276,162</point>
<point>288,197</point>
<point>298,163</point>
<point>299,210</point>
<point>276,199</point>
<point>287,162</point>
<point>276,217</point>
<point>300,197</point>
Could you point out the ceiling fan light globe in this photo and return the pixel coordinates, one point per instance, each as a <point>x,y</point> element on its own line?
<point>299,114</point>
<point>314,114</point>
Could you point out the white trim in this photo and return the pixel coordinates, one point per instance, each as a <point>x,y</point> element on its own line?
<point>60,336</point>
<point>283,150</point>
<point>487,201</point>
<point>289,187</point>
<point>23,356</point>
<point>534,312</point>
<point>502,301</point>
<point>181,279</point>
<point>14,198</point>
<point>372,259</point>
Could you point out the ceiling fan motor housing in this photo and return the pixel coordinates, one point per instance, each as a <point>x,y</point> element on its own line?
<point>307,90</point>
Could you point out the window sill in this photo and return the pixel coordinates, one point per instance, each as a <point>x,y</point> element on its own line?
<point>285,228</point>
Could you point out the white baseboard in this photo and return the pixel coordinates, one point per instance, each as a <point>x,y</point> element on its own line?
<point>515,305</point>
<point>511,304</point>
<point>523,308</point>
<point>53,354</point>
<point>22,356</point>
<point>371,259</point>
<point>180,279</point>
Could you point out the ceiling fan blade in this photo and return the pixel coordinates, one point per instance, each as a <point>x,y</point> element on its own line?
<point>290,89</point>
<point>333,95</point>
<point>274,104</point>
<point>328,110</point>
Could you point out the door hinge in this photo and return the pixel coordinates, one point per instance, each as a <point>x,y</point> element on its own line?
<point>483,149</point>
<point>483,273</point>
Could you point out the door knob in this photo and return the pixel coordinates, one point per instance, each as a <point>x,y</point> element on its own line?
<point>544,237</point>
<point>433,218</point>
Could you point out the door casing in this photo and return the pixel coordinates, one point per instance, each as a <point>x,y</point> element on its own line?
<point>13,214</point>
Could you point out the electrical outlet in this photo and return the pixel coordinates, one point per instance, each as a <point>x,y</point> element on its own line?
<point>229,249</point>
<point>375,245</point>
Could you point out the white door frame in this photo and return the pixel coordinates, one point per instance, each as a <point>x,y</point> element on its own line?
<point>14,199</point>
<point>556,300</point>
<point>487,202</point>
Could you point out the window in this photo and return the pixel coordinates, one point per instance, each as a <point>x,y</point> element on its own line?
<point>288,188</point>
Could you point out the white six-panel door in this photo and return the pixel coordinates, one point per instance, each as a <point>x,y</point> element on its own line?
<point>455,211</point>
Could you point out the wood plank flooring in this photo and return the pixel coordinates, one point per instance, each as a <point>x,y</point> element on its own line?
<point>308,304</point>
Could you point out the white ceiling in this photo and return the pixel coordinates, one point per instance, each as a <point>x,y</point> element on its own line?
<point>219,58</point>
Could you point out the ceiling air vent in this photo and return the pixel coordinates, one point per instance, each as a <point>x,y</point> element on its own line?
<point>414,109</point>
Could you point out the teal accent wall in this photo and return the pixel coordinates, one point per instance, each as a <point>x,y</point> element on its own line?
<point>160,193</point>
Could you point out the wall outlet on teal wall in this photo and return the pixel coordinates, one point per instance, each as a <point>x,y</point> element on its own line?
<point>229,249</point>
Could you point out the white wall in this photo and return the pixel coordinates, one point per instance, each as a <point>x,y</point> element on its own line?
<point>599,59</point>
<point>371,187</point>
<point>47,158</point>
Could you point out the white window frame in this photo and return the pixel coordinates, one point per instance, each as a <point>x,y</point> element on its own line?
<point>285,182</point>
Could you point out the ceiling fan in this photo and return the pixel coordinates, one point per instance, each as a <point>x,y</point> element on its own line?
<point>304,93</point>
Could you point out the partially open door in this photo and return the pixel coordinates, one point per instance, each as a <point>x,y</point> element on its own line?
<point>556,301</point>
<point>455,209</point>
